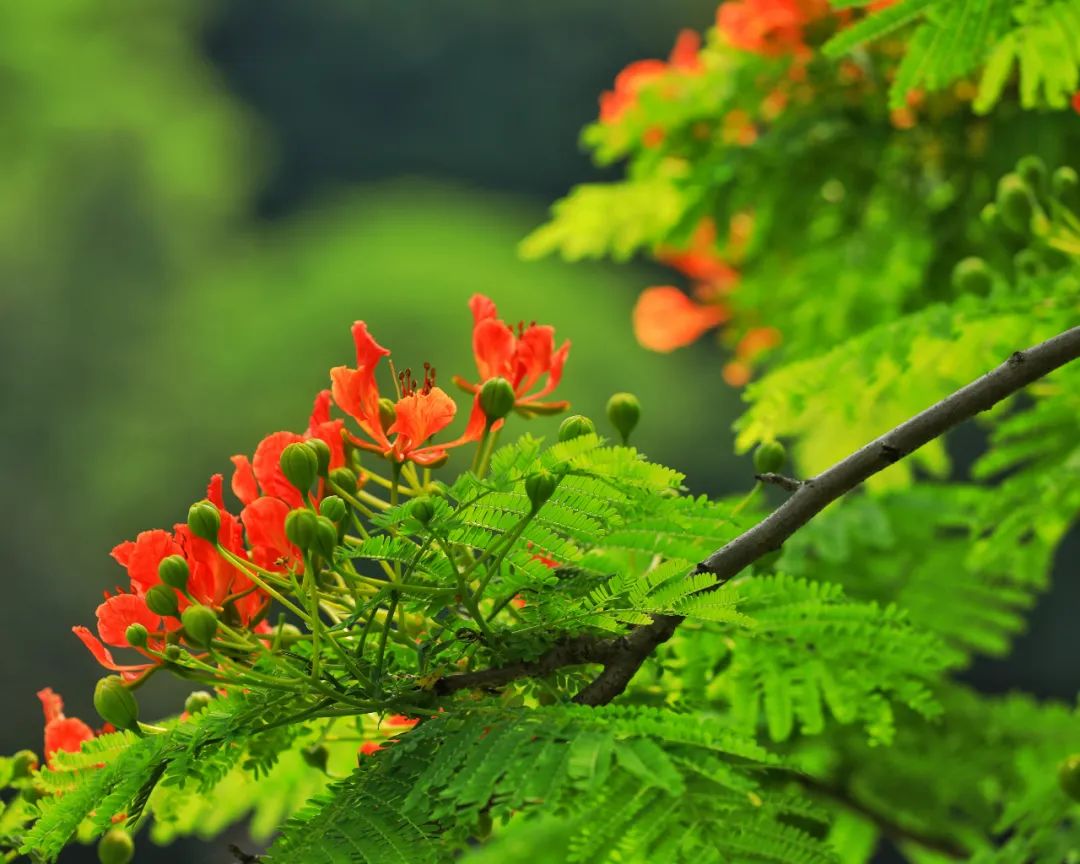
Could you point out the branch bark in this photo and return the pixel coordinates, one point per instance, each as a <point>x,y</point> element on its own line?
<point>622,657</point>
<point>815,494</point>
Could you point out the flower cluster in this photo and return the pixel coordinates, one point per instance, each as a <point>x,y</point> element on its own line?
<point>771,44</point>
<point>198,598</point>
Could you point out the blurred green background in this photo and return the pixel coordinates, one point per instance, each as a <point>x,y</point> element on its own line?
<point>197,198</point>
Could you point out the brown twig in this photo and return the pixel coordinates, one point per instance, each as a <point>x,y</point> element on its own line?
<point>815,494</point>
<point>622,657</point>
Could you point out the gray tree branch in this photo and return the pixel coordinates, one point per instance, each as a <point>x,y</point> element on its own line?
<point>622,657</point>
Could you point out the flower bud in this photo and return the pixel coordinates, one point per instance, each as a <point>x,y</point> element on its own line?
<point>990,217</point>
<point>1032,170</point>
<point>344,478</point>
<point>325,537</point>
<point>422,510</point>
<point>624,411</point>
<point>137,635</point>
<point>198,701</point>
<point>1015,203</point>
<point>173,652</point>
<point>316,756</point>
<point>116,704</point>
<point>204,521</point>
<point>116,847</point>
<point>333,508</point>
<point>769,457</point>
<point>200,624</point>
<point>540,487</point>
<point>300,465</point>
<point>972,276</point>
<point>387,413</point>
<point>23,764</point>
<point>497,399</point>
<point>1028,264</point>
<point>1069,776</point>
<point>322,455</point>
<point>301,526</point>
<point>161,600</point>
<point>575,426</point>
<point>1065,185</point>
<point>174,572</point>
<point>286,635</point>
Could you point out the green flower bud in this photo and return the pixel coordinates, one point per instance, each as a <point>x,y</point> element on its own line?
<point>990,217</point>
<point>116,704</point>
<point>540,487</point>
<point>972,276</point>
<point>173,652</point>
<point>198,700</point>
<point>575,426</point>
<point>137,635</point>
<point>769,457</point>
<point>624,411</point>
<point>325,537</point>
<point>1032,170</point>
<point>204,521</point>
<point>116,847</point>
<point>1028,264</point>
<point>161,600</point>
<point>200,625</point>
<point>1069,776</point>
<point>316,756</point>
<point>422,510</point>
<point>322,455</point>
<point>344,478</point>
<point>286,635</point>
<point>301,525</point>
<point>333,508</point>
<point>497,399</point>
<point>174,572</point>
<point>1015,203</point>
<point>23,764</point>
<point>300,465</point>
<point>387,413</point>
<point>1065,185</point>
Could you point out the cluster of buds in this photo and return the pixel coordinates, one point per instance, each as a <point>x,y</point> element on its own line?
<point>199,597</point>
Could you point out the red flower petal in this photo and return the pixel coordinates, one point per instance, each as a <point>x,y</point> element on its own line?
<point>144,555</point>
<point>117,613</point>
<point>666,319</point>
<point>67,734</point>
<point>493,348</point>
<point>419,417</point>
<point>244,485</point>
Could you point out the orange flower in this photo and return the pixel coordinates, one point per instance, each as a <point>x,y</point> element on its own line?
<point>212,580</point>
<point>754,342</point>
<point>61,733</point>
<point>422,410</point>
<point>523,358</point>
<point>768,27</point>
<point>1076,101</point>
<point>268,496</point>
<point>666,319</point>
<point>700,261</point>
<point>628,83</point>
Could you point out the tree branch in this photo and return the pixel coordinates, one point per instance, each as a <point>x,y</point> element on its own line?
<point>815,494</point>
<point>622,656</point>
